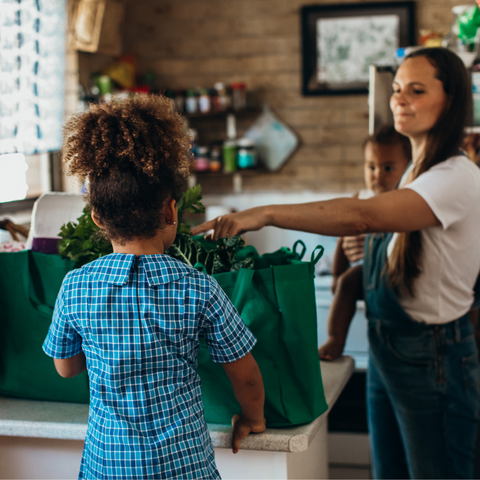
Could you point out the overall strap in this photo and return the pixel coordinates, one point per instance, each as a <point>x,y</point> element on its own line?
<point>381,300</point>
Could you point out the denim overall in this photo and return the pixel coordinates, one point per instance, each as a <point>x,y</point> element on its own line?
<point>423,394</point>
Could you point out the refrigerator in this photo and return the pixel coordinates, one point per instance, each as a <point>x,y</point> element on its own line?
<point>379,93</point>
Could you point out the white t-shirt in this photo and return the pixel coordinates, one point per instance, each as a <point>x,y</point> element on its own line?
<point>365,193</point>
<point>451,252</point>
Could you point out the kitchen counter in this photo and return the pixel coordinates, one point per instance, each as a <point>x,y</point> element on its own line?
<point>64,421</point>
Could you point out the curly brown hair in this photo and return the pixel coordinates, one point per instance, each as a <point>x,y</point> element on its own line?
<point>135,155</point>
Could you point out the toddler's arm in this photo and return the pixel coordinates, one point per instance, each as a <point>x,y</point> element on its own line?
<point>71,367</point>
<point>340,263</point>
<point>349,290</point>
<point>247,385</point>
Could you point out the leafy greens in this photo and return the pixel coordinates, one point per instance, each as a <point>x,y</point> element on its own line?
<point>83,243</point>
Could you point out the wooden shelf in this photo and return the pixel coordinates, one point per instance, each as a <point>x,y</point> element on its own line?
<point>474,129</point>
<point>245,172</point>
<point>214,115</point>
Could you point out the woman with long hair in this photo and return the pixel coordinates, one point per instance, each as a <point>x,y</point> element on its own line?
<point>422,258</point>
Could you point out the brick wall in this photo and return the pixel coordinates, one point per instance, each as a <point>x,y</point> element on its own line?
<point>189,43</point>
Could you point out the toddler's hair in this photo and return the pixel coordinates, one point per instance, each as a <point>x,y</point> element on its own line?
<point>387,135</point>
<point>135,155</point>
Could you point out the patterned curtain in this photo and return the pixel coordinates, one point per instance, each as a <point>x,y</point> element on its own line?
<point>32,70</point>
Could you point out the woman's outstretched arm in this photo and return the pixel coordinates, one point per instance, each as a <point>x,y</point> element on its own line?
<point>397,211</point>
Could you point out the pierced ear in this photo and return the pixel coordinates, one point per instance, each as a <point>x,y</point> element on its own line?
<point>172,212</point>
<point>96,221</point>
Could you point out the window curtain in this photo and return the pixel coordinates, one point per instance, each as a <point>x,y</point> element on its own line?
<point>32,71</point>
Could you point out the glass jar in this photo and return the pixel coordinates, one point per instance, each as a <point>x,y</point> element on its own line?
<point>221,101</point>
<point>204,103</point>
<point>201,161</point>
<point>229,156</point>
<point>179,100</point>
<point>247,153</point>
<point>239,96</point>
<point>215,164</point>
<point>191,102</point>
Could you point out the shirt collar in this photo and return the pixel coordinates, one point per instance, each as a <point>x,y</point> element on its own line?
<point>117,267</point>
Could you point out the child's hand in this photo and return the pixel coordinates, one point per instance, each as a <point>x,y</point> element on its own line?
<point>331,349</point>
<point>353,247</point>
<point>242,427</point>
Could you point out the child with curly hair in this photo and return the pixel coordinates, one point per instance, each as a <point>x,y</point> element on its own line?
<point>133,318</point>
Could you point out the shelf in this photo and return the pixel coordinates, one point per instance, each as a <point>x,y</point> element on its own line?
<point>214,115</point>
<point>247,172</point>
<point>237,177</point>
<point>474,129</point>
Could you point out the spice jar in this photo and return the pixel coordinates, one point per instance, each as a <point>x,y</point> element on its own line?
<point>179,100</point>
<point>229,156</point>
<point>222,99</point>
<point>247,155</point>
<point>215,164</point>
<point>239,96</point>
<point>204,103</point>
<point>191,102</point>
<point>201,161</point>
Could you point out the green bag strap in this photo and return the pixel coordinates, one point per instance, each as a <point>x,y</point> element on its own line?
<point>30,291</point>
<point>314,259</point>
<point>304,249</point>
<point>244,279</point>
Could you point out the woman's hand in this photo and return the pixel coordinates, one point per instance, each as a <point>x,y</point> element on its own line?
<point>234,223</point>
<point>353,247</point>
<point>241,428</point>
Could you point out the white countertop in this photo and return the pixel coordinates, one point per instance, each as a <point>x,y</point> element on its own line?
<point>31,418</point>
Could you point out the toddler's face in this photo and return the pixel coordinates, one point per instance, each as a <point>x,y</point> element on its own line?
<point>384,166</point>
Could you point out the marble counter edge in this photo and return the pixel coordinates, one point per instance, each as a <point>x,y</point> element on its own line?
<point>296,439</point>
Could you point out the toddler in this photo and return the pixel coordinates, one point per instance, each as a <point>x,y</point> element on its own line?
<point>387,155</point>
<point>133,318</point>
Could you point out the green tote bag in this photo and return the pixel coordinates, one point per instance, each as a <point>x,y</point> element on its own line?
<point>29,284</point>
<point>277,303</point>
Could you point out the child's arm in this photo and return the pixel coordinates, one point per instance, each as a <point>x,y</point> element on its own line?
<point>247,385</point>
<point>340,263</point>
<point>341,312</point>
<point>71,367</point>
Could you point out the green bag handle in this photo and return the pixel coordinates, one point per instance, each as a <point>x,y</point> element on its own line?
<point>244,279</point>
<point>304,249</point>
<point>314,259</point>
<point>30,291</point>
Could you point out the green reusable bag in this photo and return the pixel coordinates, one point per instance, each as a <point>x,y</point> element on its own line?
<point>277,303</point>
<point>29,284</point>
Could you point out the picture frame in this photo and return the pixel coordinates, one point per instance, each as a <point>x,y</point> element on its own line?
<point>340,41</point>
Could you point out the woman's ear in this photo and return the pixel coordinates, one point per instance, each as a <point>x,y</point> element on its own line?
<point>96,221</point>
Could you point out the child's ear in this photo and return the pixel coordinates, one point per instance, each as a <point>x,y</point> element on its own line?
<point>96,221</point>
<point>171,212</point>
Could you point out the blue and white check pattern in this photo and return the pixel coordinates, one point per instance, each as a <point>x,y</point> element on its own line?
<point>138,320</point>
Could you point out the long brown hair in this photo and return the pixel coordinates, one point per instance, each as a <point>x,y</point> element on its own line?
<point>443,141</point>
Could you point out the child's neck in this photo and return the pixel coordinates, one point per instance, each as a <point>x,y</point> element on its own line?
<point>142,246</point>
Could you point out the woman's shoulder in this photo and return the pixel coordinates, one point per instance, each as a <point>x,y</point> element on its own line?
<point>458,163</point>
<point>458,170</point>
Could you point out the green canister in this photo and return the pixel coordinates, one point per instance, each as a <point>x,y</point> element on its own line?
<point>230,156</point>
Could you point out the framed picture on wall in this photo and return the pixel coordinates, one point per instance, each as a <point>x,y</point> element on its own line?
<point>340,42</point>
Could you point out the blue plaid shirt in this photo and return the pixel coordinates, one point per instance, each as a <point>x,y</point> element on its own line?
<point>138,320</point>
